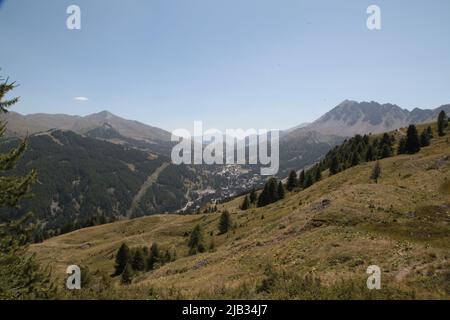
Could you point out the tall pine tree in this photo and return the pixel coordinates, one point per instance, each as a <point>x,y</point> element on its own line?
<point>224,222</point>
<point>318,173</point>
<point>253,196</point>
<point>20,275</point>
<point>412,140</point>
<point>153,257</point>
<point>386,151</point>
<point>376,172</point>
<point>425,138</point>
<point>195,242</point>
<point>334,165</point>
<point>245,203</point>
<point>309,181</point>
<point>442,123</point>
<point>292,181</point>
<point>123,257</point>
<point>301,179</point>
<point>138,262</point>
<point>127,274</point>
<point>401,149</point>
<point>273,190</point>
<point>280,191</point>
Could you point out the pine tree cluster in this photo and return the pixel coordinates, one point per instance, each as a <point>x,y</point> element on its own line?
<point>272,192</point>
<point>357,150</point>
<point>129,261</point>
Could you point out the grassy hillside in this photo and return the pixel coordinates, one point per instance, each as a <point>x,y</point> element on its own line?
<point>316,243</point>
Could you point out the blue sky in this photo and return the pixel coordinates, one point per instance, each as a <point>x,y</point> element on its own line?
<point>230,63</point>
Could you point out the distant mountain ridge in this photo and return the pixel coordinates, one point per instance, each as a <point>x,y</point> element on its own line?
<point>346,119</point>
<point>300,146</point>
<point>351,117</point>
<point>21,125</point>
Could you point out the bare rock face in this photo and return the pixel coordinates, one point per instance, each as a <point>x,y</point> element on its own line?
<point>351,117</point>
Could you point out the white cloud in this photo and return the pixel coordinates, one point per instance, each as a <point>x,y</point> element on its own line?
<point>80,99</point>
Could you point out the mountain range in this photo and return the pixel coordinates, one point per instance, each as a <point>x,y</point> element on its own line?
<point>351,117</point>
<point>20,125</point>
<point>346,119</point>
<point>104,165</point>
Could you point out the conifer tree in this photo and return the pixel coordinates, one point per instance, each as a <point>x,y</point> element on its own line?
<point>263,198</point>
<point>138,262</point>
<point>308,181</point>
<point>292,181</point>
<point>269,194</point>
<point>370,154</point>
<point>253,196</point>
<point>334,165</point>
<point>386,151</point>
<point>355,159</point>
<point>425,138</point>
<point>273,190</point>
<point>21,277</point>
<point>412,140</point>
<point>224,222</point>
<point>280,191</point>
<point>366,139</point>
<point>153,257</point>
<point>376,172</point>
<point>127,274</point>
<point>245,203</point>
<point>401,146</point>
<point>195,242</point>
<point>301,179</point>
<point>123,257</point>
<point>318,174</point>
<point>386,139</point>
<point>442,123</point>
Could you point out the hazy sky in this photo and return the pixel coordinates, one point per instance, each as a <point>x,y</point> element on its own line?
<point>230,63</point>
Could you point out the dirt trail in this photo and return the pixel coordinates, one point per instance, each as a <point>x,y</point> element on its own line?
<point>49,134</point>
<point>147,184</point>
